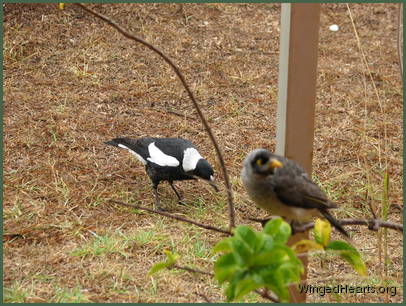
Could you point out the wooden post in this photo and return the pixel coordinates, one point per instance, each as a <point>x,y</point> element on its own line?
<point>297,93</point>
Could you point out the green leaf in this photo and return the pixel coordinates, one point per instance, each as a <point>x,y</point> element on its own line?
<point>243,251</point>
<point>244,232</point>
<point>290,272</point>
<point>278,229</point>
<point>222,246</point>
<point>255,260</point>
<point>322,231</point>
<point>268,243</point>
<point>349,254</point>
<point>225,267</point>
<point>354,259</point>
<point>273,282</point>
<point>279,255</point>
<point>171,257</point>
<point>245,285</point>
<point>170,260</point>
<point>262,259</point>
<point>158,267</point>
<point>306,245</point>
<point>339,245</point>
<point>232,286</point>
<point>252,239</point>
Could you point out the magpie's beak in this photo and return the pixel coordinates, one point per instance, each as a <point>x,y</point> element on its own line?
<point>211,182</point>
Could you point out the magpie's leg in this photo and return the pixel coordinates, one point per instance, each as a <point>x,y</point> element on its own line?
<point>156,195</point>
<point>177,193</point>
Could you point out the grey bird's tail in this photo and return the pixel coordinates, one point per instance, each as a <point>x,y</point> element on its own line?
<point>334,222</point>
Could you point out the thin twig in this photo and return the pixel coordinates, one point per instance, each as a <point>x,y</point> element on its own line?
<point>162,213</point>
<point>265,294</point>
<point>191,270</point>
<point>207,300</point>
<point>337,161</point>
<point>191,96</point>
<point>363,56</point>
<point>369,201</point>
<point>382,106</point>
<point>373,224</point>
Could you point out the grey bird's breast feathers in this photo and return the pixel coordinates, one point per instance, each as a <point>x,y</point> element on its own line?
<point>262,192</point>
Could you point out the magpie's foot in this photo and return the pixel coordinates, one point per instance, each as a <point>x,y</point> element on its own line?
<point>163,209</point>
<point>157,206</point>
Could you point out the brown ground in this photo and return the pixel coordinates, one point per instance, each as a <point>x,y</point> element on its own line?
<point>71,82</point>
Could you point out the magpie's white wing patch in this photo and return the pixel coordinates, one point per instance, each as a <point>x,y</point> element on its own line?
<point>160,158</point>
<point>139,157</point>
<point>190,158</point>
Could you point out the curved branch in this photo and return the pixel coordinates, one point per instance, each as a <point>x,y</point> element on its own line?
<point>264,293</point>
<point>373,224</point>
<point>207,300</point>
<point>191,96</point>
<point>162,213</point>
<point>193,270</point>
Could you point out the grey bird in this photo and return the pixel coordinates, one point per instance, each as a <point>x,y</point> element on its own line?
<point>281,187</point>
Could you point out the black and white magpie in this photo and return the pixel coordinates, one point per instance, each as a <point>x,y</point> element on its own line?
<point>167,159</point>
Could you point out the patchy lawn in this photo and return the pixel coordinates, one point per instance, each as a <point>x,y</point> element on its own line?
<point>71,82</point>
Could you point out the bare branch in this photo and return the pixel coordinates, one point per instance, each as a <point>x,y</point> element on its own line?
<point>162,213</point>
<point>265,294</point>
<point>369,201</point>
<point>207,300</point>
<point>191,96</point>
<point>373,224</point>
<point>191,270</point>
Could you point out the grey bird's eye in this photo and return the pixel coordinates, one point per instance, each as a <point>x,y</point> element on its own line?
<point>261,162</point>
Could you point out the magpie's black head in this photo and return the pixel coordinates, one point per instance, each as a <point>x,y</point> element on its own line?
<point>204,170</point>
<point>264,162</point>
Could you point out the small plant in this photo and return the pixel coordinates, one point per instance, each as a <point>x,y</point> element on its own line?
<point>67,295</point>
<point>15,294</point>
<point>252,260</point>
<point>170,261</point>
<point>322,235</point>
<point>100,246</point>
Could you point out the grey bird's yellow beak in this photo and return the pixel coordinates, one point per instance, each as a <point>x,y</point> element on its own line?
<point>273,163</point>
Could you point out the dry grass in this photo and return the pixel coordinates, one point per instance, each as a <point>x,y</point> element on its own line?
<point>71,82</point>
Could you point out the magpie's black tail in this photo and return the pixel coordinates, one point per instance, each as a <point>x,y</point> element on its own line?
<point>116,141</point>
<point>334,222</point>
<point>112,143</point>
